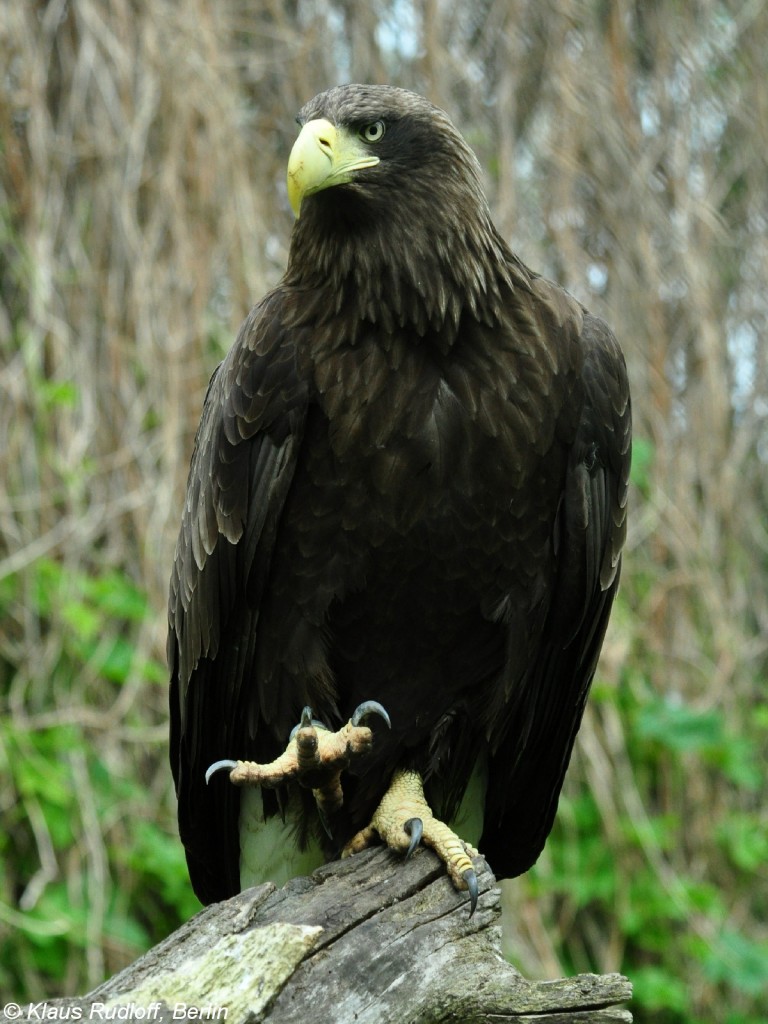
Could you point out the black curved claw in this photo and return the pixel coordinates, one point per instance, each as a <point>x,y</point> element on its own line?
<point>470,878</point>
<point>369,707</point>
<point>306,721</point>
<point>218,766</point>
<point>415,829</point>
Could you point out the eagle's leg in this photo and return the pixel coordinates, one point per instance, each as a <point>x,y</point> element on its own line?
<point>403,819</point>
<point>315,757</point>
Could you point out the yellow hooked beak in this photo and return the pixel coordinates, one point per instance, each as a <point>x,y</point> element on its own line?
<point>323,156</point>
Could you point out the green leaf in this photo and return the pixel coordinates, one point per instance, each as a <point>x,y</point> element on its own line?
<point>155,671</point>
<point>118,660</point>
<point>116,596</point>
<point>160,858</point>
<point>745,839</point>
<point>58,394</point>
<point>658,990</point>
<point>740,761</point>
<point>126,930</point>
<point>85,622</point>
<point>679,727</point>
<point>643,454</point>
<point>739,961</point>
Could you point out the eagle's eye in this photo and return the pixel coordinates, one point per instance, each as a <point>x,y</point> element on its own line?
<point>373,132</point>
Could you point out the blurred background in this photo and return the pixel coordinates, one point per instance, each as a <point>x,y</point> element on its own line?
<point>143,210</point>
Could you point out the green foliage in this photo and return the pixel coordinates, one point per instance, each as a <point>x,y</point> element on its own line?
<point>744,839</point>
<point>86,861</point>
<point>93,613</point>
<point>658,991</point>
<point>642,464</point>
<point>683,730</point>
<point>677,913</point>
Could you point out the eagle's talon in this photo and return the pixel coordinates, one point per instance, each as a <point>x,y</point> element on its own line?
<point>314,757</point>
<point>415,829</point>
<point>219,766</point>
<point>369,707</point>
<point>470,878</point>
<point>404,796</point>
<point>307,722</point>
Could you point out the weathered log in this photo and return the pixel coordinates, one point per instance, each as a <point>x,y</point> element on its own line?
<point>370,940</point>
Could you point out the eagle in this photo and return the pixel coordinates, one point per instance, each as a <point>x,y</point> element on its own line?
<point>402,532</point>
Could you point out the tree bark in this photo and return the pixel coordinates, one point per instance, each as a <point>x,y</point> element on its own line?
<point>371,940</point>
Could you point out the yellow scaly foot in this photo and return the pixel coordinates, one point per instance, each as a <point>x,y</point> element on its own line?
<point>403,819</point>
<point>315,757</point>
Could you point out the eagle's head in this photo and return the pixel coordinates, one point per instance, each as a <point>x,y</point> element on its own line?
<point>381,145</point>
<point>379,178</point>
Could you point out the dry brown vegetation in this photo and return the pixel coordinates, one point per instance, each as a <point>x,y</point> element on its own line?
<point>142,210</point>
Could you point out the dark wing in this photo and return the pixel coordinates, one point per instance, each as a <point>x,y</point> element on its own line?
<point>531,748</point>
<point>242,466</point>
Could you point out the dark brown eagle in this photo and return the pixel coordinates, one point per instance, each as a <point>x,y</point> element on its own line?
<point>408,486</point>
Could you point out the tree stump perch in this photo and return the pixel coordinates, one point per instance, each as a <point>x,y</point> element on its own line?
<point>369,940</point>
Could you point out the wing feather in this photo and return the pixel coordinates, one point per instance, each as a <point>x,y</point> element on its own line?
<point>532,742</point>
<point>242,466</point>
